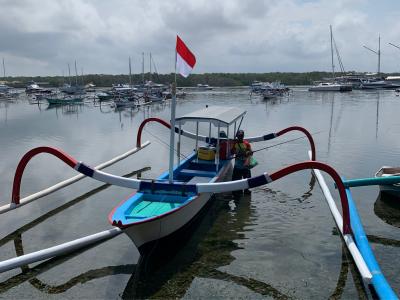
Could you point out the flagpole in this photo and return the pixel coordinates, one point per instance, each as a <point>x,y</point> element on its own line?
<point>172,133</point>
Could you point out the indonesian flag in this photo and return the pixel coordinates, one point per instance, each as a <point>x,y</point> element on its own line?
<point>185,59</point>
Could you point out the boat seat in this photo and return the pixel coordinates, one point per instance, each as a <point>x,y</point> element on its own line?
<point>197,173</point>
<point>197,179</point>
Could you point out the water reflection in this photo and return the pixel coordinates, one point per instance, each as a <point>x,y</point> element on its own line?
<point>346,267</point>
<point>4,107</point>
<point>330,123</point>
<point>165,273</point>
<point>31,273</point>
<point>377,115</point>
<point>387,208</point>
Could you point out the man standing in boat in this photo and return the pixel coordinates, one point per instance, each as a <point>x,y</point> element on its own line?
<point>242,151</point>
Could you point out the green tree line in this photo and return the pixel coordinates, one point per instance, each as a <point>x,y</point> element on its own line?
<point>213,79</point>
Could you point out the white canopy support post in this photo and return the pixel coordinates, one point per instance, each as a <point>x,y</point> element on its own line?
<point>209,134</point>
<point>234,130</point>
<point>179,144</point>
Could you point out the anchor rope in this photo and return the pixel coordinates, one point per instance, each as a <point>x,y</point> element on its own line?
<point>165,143</point>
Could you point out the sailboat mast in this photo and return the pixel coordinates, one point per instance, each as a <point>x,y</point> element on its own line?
<point>333,66</point>
<point>143,67</point>
<point>150,66</point>
<point>379,54</point>
<point>4,69</point>
<point>76,75</point>
<point>69,74</point>
<point>130,72</point>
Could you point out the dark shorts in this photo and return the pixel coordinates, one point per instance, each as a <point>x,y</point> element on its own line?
<point>240,173</point>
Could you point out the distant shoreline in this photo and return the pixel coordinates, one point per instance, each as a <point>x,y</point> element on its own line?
<point>213,79</point>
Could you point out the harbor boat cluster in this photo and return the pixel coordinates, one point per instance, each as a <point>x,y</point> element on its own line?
<point>349,81</point>
<point>268,90</point>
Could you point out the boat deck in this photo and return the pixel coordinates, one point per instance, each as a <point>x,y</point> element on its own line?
<point>151,202</point>
<point>151,205</point>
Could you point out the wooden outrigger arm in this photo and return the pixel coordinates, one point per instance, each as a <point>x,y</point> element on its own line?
<point>179,187</point>
<point>17,202</point>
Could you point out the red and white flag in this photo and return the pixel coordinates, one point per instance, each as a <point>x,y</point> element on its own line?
<point>185,59</point>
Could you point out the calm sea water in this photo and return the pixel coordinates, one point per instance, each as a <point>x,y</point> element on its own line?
<point>280,242</point>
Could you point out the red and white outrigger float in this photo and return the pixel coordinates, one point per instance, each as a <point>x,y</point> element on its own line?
<point>163,206</point>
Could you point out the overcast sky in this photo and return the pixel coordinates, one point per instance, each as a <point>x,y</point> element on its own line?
<point>41,37</point>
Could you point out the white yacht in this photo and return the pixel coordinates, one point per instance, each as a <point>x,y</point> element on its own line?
<point>330,87</point>
<point>204,87</point>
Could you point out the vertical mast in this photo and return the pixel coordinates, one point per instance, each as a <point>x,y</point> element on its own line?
<point>130,73</point>
<point>379,54</point>
<point>333,66</point>
<point>150,66</point>
<point>4,69</point>
<point>143,67</point>
<point>69,74</point>
<point>76,75</point>
<point>172,133</point>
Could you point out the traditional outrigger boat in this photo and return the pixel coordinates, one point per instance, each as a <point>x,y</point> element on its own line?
<point>163,206</point>
<point>151,213</point>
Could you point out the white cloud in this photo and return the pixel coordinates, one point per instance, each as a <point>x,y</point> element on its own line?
<point>39,38</point>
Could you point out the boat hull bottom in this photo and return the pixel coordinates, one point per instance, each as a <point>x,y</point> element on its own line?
<point>392,190</point>
<point>153,230</point>
<point>162,249</point>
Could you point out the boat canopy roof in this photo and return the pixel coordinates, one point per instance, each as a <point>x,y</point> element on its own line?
<point>217,115</point>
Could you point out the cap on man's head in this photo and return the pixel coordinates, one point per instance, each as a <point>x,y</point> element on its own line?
<point>240,133</point>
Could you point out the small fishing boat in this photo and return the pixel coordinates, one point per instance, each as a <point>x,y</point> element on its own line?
<point>154,97</point>
<point>152,214</point>
<point>64,100</point>
<point>392,189</point>
<point>34,88</point>
<point>104,96</point>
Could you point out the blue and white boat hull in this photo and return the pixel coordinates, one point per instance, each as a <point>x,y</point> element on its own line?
<point>145,232</point>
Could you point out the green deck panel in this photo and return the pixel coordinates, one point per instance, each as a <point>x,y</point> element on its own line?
<point>146,209</point>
